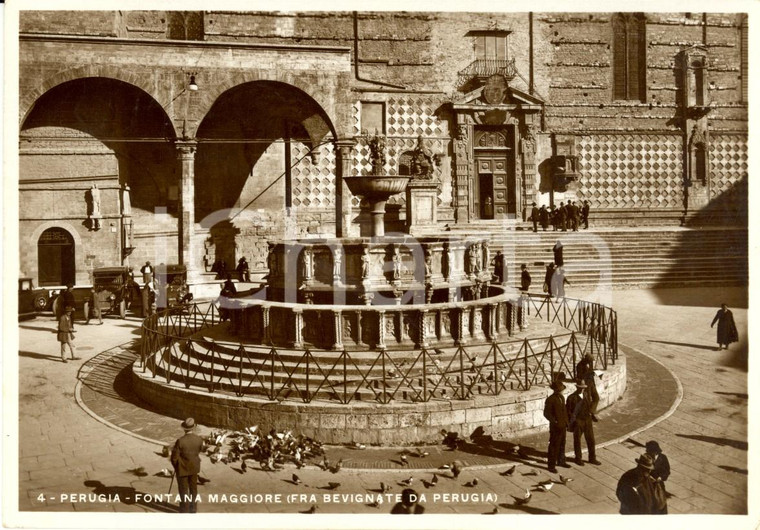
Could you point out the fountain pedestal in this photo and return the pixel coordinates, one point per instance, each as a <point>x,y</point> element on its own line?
<point>421,204</point>
<point>376,190</point>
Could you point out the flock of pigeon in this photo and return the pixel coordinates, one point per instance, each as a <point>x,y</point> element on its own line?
<point>271,451</point>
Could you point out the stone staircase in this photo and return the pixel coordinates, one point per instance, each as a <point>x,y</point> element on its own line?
<point>619,258</point>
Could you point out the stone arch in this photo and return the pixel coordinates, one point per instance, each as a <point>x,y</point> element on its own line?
<point>79,253</point>
<point>339,125</point>
<point>28,100</point>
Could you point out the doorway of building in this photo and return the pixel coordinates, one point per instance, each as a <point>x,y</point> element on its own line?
<point>485,189</point>
<point>55,257</point>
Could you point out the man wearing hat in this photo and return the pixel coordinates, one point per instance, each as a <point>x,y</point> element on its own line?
<point>636,488</point>
<point>556,413</point>
<point>187,464</point>
<point>66,333</point>
<point>580,423</point>
<point>535,216</point>
<point>661,470</point>
<point>585,370</point>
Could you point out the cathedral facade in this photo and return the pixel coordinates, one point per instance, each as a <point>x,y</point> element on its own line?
<point>191,137</point>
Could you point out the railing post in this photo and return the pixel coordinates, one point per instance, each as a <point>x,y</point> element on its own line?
<point>213,349</point>
<point>495,368</point>
<point>461,372</point>
<point>272,353</point>
<point>308,370</point>
<point>240,372</point>
<point>345,377</point>
<point>424,375</point>
<point>525,362</point>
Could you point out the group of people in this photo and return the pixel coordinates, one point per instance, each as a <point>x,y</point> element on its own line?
<point>566,217</point>
<point>640,490</point>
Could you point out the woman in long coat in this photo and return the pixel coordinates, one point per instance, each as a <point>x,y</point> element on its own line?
<point>727,332</point>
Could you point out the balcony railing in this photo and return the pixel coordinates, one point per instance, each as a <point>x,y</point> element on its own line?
<point>485,68</point>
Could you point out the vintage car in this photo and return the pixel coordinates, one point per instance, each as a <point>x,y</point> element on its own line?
<point>114,290</point>
<point>31,300</point>
<point>169,289</point>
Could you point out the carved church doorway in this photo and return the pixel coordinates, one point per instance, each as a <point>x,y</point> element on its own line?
<point>495,190</point>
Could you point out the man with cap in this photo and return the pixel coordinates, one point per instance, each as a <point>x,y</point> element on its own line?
<point>535,216</point>
<point>579,422</point>
<point>585,370</point>
<point>636,488</point>
<point>66,333</point>
<point>556,413</point>
<point>186,460</point>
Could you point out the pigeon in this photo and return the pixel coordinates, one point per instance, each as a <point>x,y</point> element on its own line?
<point>509,472</point>
<point>407,482</point>
<point>295,479</point>
<point>164,473</point>
<point>564,480</point>
<point>313,509</point>
<point>373,505</point>
<point>243,466</point>
<point>325,464</point>
<point>545,486</point>
<point>421,454</point>
<point>384,488</point>
<point>333,485</point>
<point>337,466</point>
<point>434,480</point>
<point>531,473</point>
<point>165,451</point>
<point>138,471</point>
<point>524,500</point>
<point>494,511</point>
<point>404,460</point>
<point>455,469</point>
<point>445,466</point>
<point>357,445</point>
<point>471,484</point>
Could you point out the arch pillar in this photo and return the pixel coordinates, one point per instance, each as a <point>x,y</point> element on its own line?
<point>186,150</point>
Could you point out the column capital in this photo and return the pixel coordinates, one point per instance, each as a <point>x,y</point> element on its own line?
<point>186,148</point>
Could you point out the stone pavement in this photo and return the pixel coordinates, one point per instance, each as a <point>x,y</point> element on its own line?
<point>63,450</point>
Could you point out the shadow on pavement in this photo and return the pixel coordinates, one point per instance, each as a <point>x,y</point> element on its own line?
<point>738,444</point>
<point>129,495</point>
<point>739,395</point>
<point>734,297</point>
<point>35,355</point>
<point>734,469</point>
<point>527,509</point>
<point>39,328</point>
<point>699,346</point>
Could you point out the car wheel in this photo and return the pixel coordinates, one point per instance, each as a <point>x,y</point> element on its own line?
<point>40,302</point>
<point>122,309</point>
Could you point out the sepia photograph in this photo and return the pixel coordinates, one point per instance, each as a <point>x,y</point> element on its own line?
<point>370,259</point>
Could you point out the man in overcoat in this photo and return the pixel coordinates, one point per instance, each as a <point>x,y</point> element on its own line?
<point>636,488</point>
<point>585,370</point>
<point>727,332</point>
<point>535,216</point>
<point>579,422</point>
<point>186,460</point>
<point>556,413</point>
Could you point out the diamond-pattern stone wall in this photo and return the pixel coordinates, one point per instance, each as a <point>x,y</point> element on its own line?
<point>631,170</point>
<point>729,170</point>
<point>313,179</point>
<point>406,118</point>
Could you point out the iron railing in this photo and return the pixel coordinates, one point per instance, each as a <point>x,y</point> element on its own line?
<point>174,350</point>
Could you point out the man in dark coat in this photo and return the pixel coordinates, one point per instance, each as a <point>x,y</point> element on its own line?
<point>186,460</point>
<point>584,214</point>
<point>534,216</point>
<point>556,413</point>
<point>553,217</point>
<point>661,469</point>
<point>498,267</point>
<point>584,370</point>
<point>579,422</point>
<point>562,217</point>
<point>525,279</point>
<point>543,217</point>
<point>559,259</point>
<point>244,274</point>
<point>727,332</point>
<point>636,488</point>
<point>548,278</point>
<point>573,215</point>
